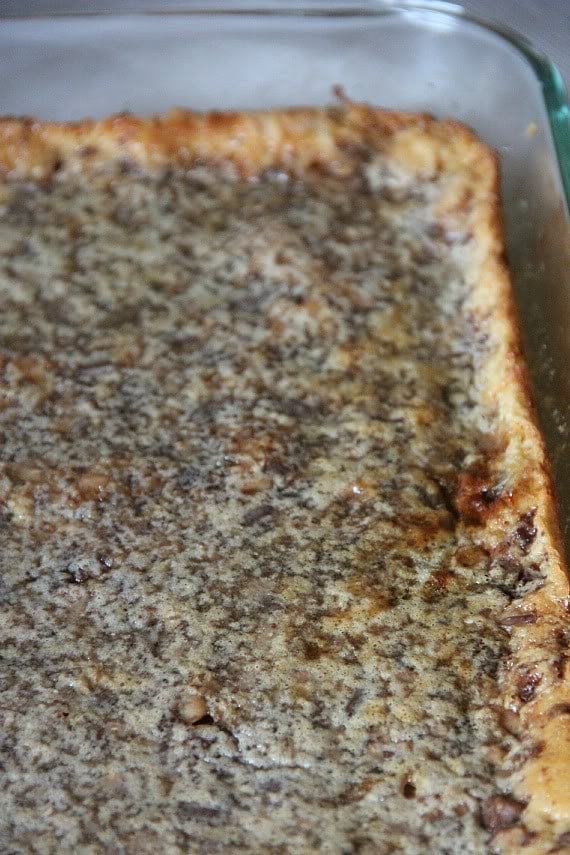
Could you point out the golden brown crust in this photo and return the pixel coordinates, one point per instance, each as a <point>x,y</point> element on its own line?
<point>300,139</point>
<point>295,139</point>
<point>544,780</point>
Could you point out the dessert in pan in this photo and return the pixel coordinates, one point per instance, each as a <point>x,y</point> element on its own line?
<point>281,569</point>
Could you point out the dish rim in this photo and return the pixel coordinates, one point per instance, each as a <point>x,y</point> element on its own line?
<point>552,86</point>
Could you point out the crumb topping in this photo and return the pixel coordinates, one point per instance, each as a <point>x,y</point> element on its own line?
<point>243,604</point>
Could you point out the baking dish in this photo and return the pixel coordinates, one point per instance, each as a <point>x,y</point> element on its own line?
<point>61,63</point>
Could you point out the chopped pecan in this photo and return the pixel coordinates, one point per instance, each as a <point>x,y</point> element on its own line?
<point>499,812</point>
<point>518,619</point>
<point>526,531</point>
<point>526,685</point>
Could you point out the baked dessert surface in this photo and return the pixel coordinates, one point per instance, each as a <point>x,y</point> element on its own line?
<point>279,558</point>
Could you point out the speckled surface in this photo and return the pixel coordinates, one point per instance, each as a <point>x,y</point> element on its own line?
<point>237,612</point>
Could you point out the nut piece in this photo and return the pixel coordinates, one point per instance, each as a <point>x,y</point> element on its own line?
<point>191,708</point>
<point>500,812</point>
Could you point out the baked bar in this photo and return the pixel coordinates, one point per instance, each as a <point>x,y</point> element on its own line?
<point>281,569</point>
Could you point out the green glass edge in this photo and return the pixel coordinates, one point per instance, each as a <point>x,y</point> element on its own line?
<point>550,79</point>
<point>559,115</point>
<point>553,91</point>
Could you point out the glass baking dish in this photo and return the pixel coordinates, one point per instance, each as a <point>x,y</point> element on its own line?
<point>60,63</point>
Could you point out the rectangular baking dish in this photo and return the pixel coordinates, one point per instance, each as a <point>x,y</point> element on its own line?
<point>60,63</point>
